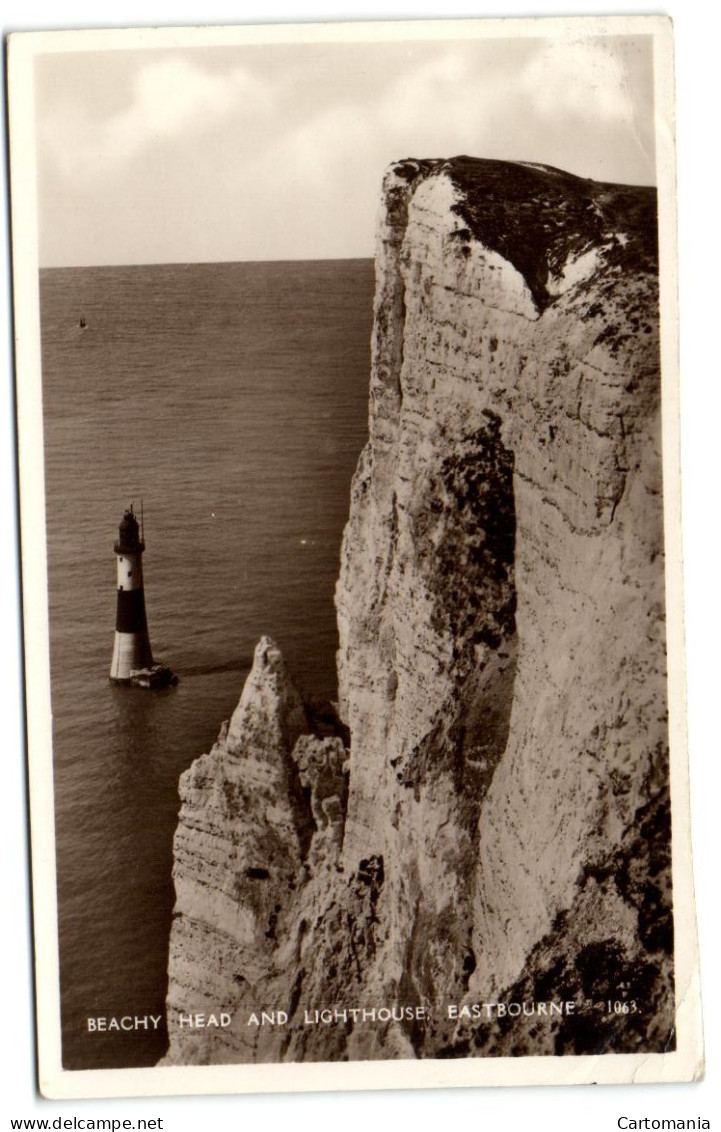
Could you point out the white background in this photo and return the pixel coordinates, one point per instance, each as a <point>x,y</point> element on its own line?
<point>697,32</point>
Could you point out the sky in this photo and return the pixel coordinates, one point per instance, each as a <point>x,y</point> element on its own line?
<point>277,151</point>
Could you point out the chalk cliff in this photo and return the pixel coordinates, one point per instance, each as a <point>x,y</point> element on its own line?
<point>487,819</point>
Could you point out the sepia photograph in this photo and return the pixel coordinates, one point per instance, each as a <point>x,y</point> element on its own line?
<point>347,402</point>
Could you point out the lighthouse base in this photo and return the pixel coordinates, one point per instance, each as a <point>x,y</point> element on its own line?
<point>154,677</point>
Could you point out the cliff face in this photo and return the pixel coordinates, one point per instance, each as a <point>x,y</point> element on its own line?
<point>498,828</point>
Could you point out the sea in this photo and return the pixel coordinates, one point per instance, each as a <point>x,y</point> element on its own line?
<point>230,402</point>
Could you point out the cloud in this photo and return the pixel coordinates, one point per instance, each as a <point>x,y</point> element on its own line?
<point>586,79</point>
<point>171,98</point>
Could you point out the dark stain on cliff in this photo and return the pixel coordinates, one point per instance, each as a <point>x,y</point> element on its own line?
<point>641,871</point>
<point>475,585</point>
<point>464,528</point>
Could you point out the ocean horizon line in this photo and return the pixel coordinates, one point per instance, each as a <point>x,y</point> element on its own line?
<point>205,262</point>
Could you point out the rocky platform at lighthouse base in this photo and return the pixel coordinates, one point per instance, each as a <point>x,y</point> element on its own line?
<point>154,678</point>
<point>481,840</point>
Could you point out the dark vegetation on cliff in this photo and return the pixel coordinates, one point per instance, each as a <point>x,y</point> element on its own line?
<point>538,217</point>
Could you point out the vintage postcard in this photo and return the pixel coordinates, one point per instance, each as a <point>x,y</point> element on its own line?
<point>348,445</point>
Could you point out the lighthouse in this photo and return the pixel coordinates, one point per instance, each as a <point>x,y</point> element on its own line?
<point>132,661</point>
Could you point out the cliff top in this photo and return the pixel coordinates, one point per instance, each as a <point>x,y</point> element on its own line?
<point>539,218</point>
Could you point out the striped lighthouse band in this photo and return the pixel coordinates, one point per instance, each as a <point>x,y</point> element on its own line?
<point>130,616</point>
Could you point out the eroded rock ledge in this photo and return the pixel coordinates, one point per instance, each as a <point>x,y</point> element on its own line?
<point>487,818</point>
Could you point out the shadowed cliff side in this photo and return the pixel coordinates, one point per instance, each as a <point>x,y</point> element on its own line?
<point>498,828</point>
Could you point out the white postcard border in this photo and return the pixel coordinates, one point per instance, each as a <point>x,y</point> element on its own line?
<point>686,1062</point>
